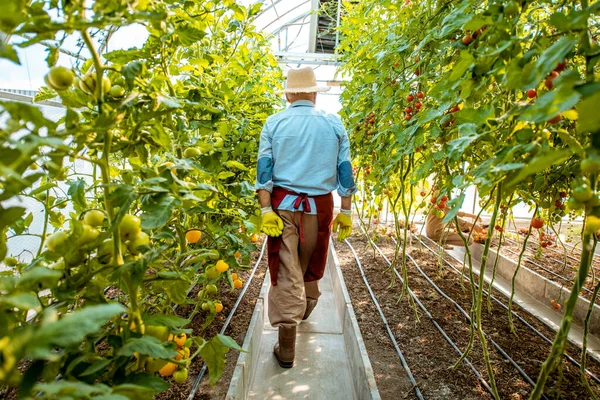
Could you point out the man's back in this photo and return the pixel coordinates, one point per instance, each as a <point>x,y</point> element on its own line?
<point>306,146</point>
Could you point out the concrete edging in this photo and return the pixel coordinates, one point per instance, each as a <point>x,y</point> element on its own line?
<point>537,286</point>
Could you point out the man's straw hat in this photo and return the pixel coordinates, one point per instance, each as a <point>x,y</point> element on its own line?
<point>303,80</point>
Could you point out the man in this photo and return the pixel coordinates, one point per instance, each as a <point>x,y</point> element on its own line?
<point>437,231</point>
<point>304,155</point>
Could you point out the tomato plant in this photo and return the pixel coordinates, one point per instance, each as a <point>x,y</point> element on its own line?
<point>168,132</point>
<point>507,92</point>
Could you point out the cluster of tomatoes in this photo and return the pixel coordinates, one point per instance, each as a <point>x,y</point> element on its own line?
<point>469,37</point>
<point>61,79</point>
<point>131,234</point>
<point>369,124</point>
<point>448,119</point>
<point>548,82</point>
<point>414,105</point>
<point>439,206</point>
<point>166,368</point>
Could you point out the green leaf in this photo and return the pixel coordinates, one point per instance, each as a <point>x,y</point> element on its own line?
<point>77,193</point>
<point>38,276</point>
<point>146,380</point>
<point>171,321</point>
<point>74,327</point>
<point>213,353</point>
<point>229,342</point>
<point>589,115</point>
<point>148,345</point>
<point>455,206</point>
<point>158,210</point>
<point>550,104</point>
<point>548,60</point>
<point>236,164</point>
<point>572,142</point>
<point>160,136</point>
<point>539,163</point>
<point>22,301</point>
<point>97,366</point>
<point>225,174</point>
<point>8,52</point>
<point>464,63</point>
<point>71,389</point>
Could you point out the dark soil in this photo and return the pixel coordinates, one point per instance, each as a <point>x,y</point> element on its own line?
<point>428,355</point>
<point>528,350</point>
<point>236,329</point>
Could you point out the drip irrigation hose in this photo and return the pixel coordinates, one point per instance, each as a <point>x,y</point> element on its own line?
<point>505,307</point>
<point>441,330</point>
<point>411,378</point>
<point>467,316</point>
<point>229,318</point>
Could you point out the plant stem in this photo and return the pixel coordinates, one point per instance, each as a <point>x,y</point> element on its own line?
<point>560,341</point>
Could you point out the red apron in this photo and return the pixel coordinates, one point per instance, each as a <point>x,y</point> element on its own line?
<point>318,260</point>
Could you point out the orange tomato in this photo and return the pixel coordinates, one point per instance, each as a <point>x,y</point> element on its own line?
<point>234,276</point>
<point>237,283</point>
<point>180,339</point>
<point>237,254</point>
<point>193,236</point>
<point>254,238</point>
<point>168,369</point>
<point>221,266</point>
<point>218,307</point>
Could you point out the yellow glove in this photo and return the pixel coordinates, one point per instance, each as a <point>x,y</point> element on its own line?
<point>272,225</point>
<point>344,223</point>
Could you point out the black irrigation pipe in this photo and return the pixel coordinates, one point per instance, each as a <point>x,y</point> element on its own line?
<point>229,318</point>
<point>441,330</point>
<point>411,378</point>
<point>505,307</point>
<point>459,308</point>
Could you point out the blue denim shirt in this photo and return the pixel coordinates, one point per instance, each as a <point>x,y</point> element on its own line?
<point>306,150</point>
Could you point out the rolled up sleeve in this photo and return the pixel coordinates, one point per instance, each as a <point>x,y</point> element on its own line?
<point>346,185</point>
<point>264,169</point>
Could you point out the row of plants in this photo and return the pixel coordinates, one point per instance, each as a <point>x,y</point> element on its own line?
<point>144,186</point>
<point>500,96</point>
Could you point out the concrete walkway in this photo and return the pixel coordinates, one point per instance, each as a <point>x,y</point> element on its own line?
<point>331,360</point>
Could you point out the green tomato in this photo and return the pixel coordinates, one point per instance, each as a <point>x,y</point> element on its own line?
<point>58,266</point>
<point>205,306</point>
<point>181,375</point>
<point>511,8</point>
<point>159,332</point>
<point>211,289</point>
<point>130,227</point>
<point>11,261</point>
<point>105,251</point>
<point>154,365</point>
<point>201,294</point>
<point>93,218</point>
<point>212,273</point>
<point>218,143</point>
<point>42,196</point>
<point>582,191</point>
<point>117,91</point>
<point>89,233</point>
<point>574,204</point>
<point>57,239</point>
<point>191,152</point>
<point>142,239</point>
<point>590,165</point>
<point>59,78</point>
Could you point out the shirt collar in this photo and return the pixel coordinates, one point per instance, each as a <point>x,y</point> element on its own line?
<point>302,103</point>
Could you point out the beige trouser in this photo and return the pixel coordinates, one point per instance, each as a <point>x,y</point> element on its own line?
<point>287,299</point>
<point>435,229</point>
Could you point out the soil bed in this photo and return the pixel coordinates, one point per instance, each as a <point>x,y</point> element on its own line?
<point>547,260</point>
<point>428,355</point>
<point>528,349</point>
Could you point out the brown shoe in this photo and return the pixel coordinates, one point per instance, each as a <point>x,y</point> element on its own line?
<point>285,349</point>
<point>310,306</point>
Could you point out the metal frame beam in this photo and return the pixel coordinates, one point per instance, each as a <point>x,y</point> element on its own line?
<point>314,26</point>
